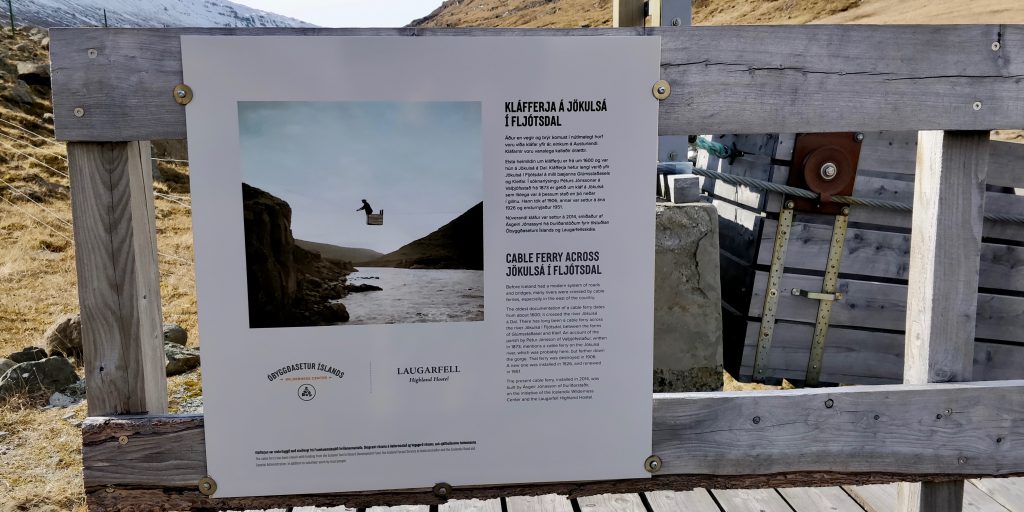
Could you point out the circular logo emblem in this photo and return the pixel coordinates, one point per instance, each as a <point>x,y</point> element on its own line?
<point>307,392</point>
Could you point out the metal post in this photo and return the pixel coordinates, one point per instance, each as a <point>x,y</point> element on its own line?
<point>10,10</point>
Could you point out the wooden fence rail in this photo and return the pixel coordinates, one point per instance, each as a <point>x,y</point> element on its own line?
<point>115,85</point>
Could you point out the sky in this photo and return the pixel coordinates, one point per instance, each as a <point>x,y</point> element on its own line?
<point>349,13</point>
<point>420,162</point>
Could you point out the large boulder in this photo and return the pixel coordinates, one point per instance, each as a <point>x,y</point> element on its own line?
<point>175,334</point>
<point>28,354</point>
<point>49,375</point>
<point>180,359</point>
<point>20,93</point>
<point>34,73</point>
<point>687,299</point>
<point>6,364</point>
<point>65,337</point>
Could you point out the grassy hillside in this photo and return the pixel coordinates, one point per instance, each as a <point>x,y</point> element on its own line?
<point>352,255</point>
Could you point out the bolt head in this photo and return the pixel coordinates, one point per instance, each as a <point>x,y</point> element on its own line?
<point>673,156</point>
<point>790,204</point>
<point>996,46</point>
<point>92,53</point>
<point>676,22</point>
<point>962,460</point>
<point>661,89</point>
<point>829,171</point>
<point>757,419</point>
<point>181,93</point>
<point>79,111</point>
<point>123,440</point>
<point>859,137</point>
<point>846,210</point>
<point>829,403</point>
<point>977,105</point>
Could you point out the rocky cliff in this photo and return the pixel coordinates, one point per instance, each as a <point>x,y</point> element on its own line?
<point>458,244</point>
<point>288,286</point>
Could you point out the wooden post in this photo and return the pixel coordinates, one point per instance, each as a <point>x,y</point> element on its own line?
<point>628,13</point>
<point>942,295</point>
<point>118,277</point>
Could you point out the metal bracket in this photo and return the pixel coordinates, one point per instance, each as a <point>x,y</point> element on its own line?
<point>828,288</point>
<point>817,295</point>
<point>771,299</point>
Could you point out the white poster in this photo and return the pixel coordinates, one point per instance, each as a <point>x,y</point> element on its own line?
<point>423,259</point>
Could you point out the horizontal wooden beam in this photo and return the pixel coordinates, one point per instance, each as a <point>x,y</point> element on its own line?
<point>722,440</point>
<point>811,78</point>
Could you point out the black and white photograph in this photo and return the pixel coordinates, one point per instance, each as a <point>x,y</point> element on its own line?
<point>362,212</point>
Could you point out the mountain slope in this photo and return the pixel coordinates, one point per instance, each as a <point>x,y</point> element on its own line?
<point>353,255</point>
<point>148,13</point>
<point>458,244</point>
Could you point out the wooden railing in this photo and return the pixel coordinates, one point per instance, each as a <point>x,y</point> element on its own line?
<point>115,85</point>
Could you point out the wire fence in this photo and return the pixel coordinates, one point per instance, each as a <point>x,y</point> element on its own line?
<point>4,138</point>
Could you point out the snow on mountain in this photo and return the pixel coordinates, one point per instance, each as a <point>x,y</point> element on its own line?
<point>144,13</point>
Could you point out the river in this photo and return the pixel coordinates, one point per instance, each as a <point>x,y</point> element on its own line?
<point>416,295</point>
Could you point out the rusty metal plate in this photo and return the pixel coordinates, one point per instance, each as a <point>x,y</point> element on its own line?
<point>825,163</point>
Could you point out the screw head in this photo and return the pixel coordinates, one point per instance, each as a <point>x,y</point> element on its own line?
<point>661,89</point>
<point>442,490</point>
<point>859,137</point>
<point>92,53</point>
<point>652,464</point>
<point>876,417</point>
<point>123,440</point>
<point>996,46</point>
<point>676,22</point>
<point>962,460</point>
<point>846,210</point>
<point>79,111</point>
<point>673,156</point>
<point>790,204</point>
<point>977,105</point>
<point>829,403</point>
<point>949,411</point>
<point>829,171</point>
<point>773,292</point>
<point>756,420</point>
<point>181,93</point>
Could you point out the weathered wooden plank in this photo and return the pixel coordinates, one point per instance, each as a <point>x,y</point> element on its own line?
<point>612,503</point>
<point>118,277</point>
<point>751,500</point>
<point>884,254</point>
<point>697,435</point>
<point>1008,492</point>
<point>896,187</point>
<point>896,152</point>
<point>862,357</point>
<point>697,500</point>
<point>817,499</point>
<point>874,498</point>
<point>869,304</point>
<point>812,78</point>
<point>942,292</point>
<point>545,503</point>
<point>474,505</point>
<point>882,498</point>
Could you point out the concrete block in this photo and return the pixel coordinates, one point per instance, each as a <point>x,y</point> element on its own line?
<point>687,299</point>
